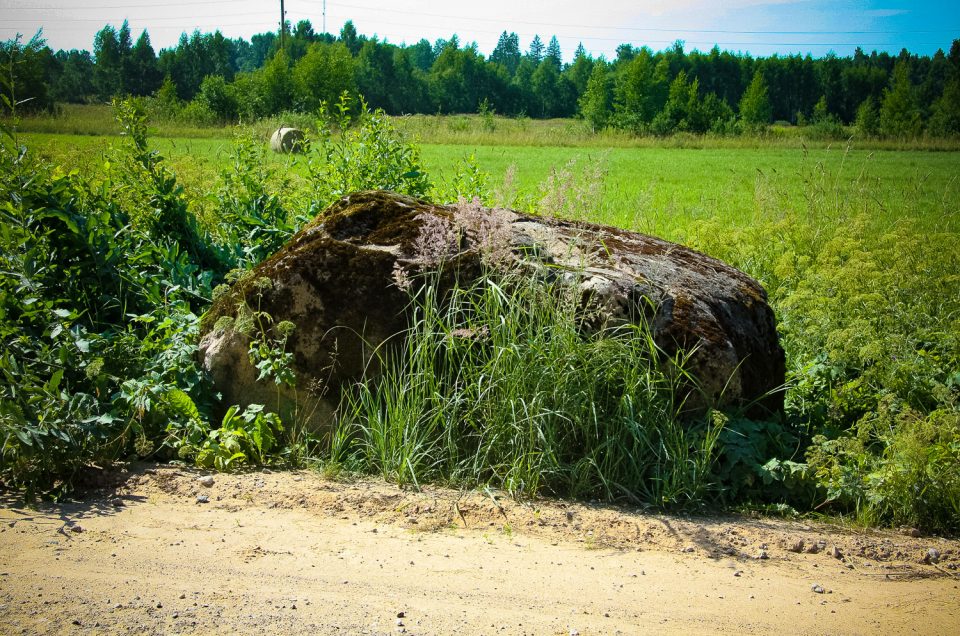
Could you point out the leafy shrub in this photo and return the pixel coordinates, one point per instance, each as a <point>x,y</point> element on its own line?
<point>96,322</point>
<point>362,152</point>
<point>897,466</point>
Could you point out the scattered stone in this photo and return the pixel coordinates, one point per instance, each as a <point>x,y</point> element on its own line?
<point>116,502</point>
<point>76,621</point>
<point>159,605</point>
<point>183,596</point>
<point>818,589</point>
<point>176,615</point>
<point>934,555</point>
<point>836,553</point>
<point>206,481</point>
<point>762,555</point>
<point>569,515</point>
<point>574,632</point>
<point>797,546</point>
<point>77,529</point>
<point>293,606</point>
<point>399,622</point>
<point>202,499</point>
<point>688,548</point>
<point>911,532</point>
<point>738,573</point>
<point>401,615</point>
<point>813,548</point>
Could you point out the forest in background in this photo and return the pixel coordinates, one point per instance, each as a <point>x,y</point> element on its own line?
<point>208,78</point>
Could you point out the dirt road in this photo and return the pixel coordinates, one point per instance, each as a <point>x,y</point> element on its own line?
<point>293,553</point>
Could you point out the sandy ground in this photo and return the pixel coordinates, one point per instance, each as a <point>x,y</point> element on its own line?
<point>293,553</point>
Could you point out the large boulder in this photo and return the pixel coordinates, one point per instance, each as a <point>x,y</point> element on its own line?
<point>336,280</point>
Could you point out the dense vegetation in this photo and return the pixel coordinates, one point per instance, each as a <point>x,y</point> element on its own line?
<point>105,270</point>
<point>209,78</point>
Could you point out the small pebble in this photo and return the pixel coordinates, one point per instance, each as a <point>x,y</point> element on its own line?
<point>818,589</point>
<point>797,546</point>
<point>202,499</point>
<point>399,622</point>
<point>76,529</point>
<point>401,615</point>
<point>933,555</point>
<point>763,555</point>
<point>836,553</point>
<point>206,480</point>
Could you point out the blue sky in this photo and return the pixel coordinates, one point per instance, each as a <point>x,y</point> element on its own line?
<point>760,27</point>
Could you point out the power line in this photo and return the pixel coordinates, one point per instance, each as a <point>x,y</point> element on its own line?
<point>678,29</point>
<point>652,29</point>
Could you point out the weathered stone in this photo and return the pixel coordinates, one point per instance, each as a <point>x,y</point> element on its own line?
<point>335,281</point>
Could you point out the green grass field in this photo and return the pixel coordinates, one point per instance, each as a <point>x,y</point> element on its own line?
<point>655,190</point>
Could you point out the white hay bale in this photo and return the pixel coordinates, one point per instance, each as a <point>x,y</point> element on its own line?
<point>287,140</point>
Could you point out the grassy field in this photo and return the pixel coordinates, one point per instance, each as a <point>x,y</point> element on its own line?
<point>855,243</point>
<point>651,189</point>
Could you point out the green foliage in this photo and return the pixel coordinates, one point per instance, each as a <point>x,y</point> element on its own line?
<point>253,220</point>
<point>755,110</point>
<point>900,112</point>
<point>250,437</point>
<point>596,104</point>
<point>498,384</point>
<point>95,324</point>
<point>896,466</point>
<point>868,118</point>
<point>23,67</point>
<point>358,152</point>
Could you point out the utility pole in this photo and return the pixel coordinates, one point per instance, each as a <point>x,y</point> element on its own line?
<point>283,26</point>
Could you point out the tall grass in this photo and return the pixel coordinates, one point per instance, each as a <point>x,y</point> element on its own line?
<point>498,383</point>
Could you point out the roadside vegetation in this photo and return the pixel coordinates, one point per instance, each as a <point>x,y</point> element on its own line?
<point>110,252</point>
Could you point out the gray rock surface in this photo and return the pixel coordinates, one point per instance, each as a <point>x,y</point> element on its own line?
<point>335,280</point>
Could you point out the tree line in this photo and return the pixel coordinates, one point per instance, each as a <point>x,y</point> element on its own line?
<point>208,78</point>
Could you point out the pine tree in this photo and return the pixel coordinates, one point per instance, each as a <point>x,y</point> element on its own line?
<point>507,52</point>
<point>536,50</point>
<point>554,55</point>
